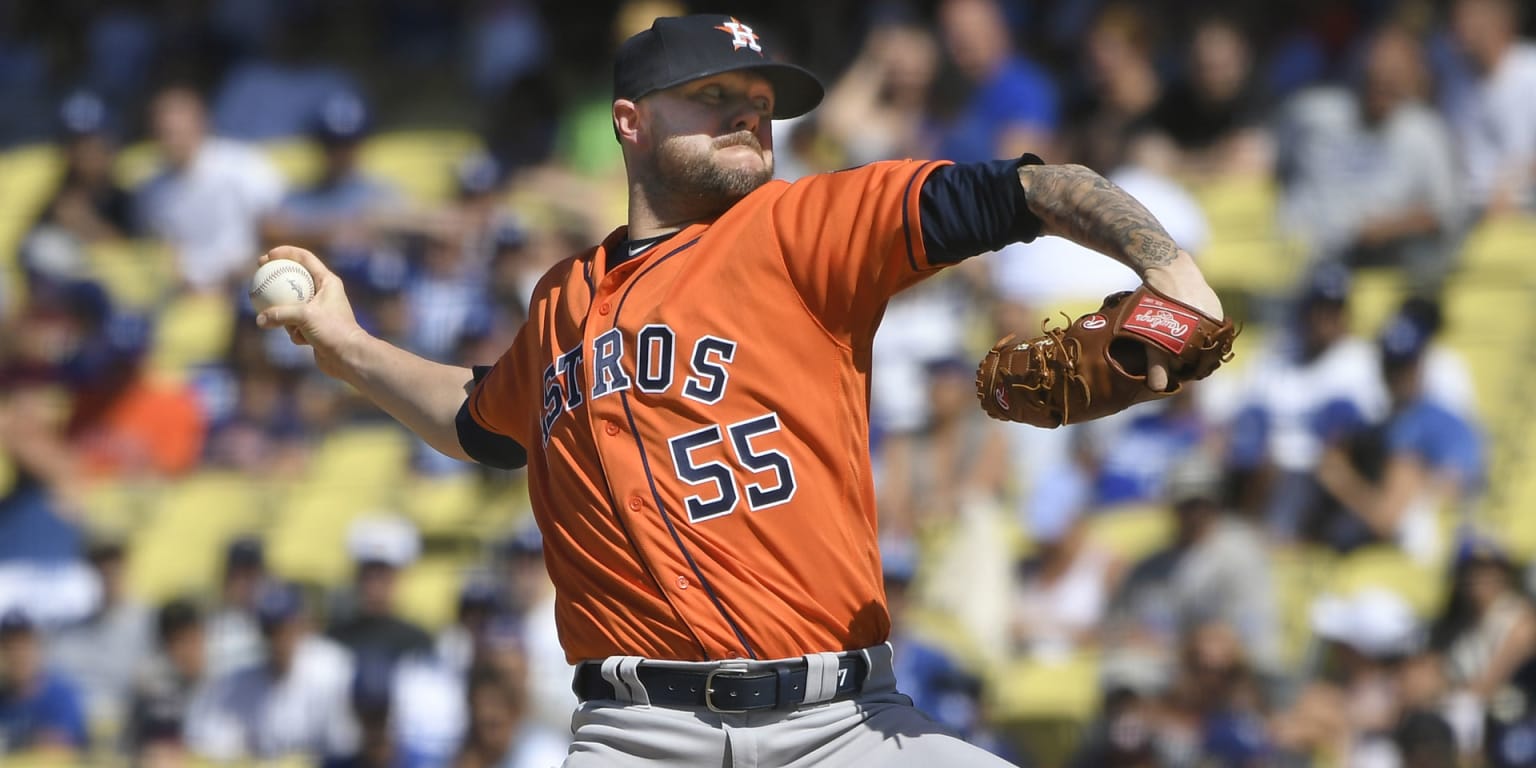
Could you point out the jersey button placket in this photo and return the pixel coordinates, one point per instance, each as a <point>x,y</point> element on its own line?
<point>635,503</point>
<point>611,427</point>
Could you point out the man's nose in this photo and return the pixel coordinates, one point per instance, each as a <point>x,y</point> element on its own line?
<point>747,118</point>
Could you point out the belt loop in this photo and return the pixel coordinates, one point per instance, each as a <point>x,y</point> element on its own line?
<point>621,673</point>
<point>820,677</point>
<point>784,690</point>
<point>879,669</point>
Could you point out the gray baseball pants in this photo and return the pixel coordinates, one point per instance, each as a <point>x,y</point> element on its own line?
<point>879,727</point>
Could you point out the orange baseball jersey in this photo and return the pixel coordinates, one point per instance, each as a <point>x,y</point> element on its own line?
<point>696,423</point>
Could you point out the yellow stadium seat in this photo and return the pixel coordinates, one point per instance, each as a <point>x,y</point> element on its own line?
<point>308,531</point>
<point>136,163</point>
<point>28,176</point>
<point>445,505</point>
<point>118,505</point>
<point>1498,379</point>
<point>297,160</point>
<point>217,503</point>
<point>427,593</point>
<point>1374,295</point>
<point>1388,568</point>
<point>1132,532</point>
<point>163,563</point>
<point>1512,499</point>
<point>193,329</point>
<point>1263,267</point>
<point>1238,208</point>
<point>369,462</point>
<point>1029,688</point>
<point>7,474</point>
<point>1500,249</point>
<point>419,163</point>
<point>1300,574</point>
<point>1504,311</point>
<point>138,274</point>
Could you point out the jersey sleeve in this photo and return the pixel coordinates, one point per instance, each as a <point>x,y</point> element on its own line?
<point>503,399</point>
<point>851,239</point>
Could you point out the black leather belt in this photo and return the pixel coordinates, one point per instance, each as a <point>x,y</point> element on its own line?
<point>724,689</point>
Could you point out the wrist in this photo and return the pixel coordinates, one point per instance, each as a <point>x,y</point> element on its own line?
<point>354,350</point>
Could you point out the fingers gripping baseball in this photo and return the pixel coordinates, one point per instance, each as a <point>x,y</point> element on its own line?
<point>326,321</point>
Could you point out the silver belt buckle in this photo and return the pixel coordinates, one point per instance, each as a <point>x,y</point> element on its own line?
<point>709,689</point>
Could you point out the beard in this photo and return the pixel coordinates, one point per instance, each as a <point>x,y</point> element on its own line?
<point>694,180</point>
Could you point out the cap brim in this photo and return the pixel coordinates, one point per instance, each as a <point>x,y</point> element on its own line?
<point>795,90</point>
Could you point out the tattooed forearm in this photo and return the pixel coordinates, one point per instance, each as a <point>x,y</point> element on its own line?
<point>1088,209</point>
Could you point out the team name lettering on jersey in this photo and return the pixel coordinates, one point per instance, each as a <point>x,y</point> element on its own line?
<point>654,365</point>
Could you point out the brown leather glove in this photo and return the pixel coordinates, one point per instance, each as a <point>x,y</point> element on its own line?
<point>1098,365</point>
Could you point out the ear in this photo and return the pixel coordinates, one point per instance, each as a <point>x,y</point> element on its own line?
<point>626,121</point>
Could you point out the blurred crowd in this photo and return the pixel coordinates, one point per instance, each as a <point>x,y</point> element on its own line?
<point>1138,591</point>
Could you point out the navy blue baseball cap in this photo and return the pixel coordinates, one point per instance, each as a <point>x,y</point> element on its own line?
<point>278,603</point>
<point>1403,341</point>
<point>342,119</point>
<point>1328,283</point>
<point>677,49</point>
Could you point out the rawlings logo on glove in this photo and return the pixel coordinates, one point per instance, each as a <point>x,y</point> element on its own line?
<point>1097,365</point>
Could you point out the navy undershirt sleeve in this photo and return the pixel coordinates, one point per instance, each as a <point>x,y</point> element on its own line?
<point>483,445</point>
<point>971,208</point>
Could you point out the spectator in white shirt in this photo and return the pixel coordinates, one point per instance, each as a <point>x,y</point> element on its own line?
<point>233,638</point>
<point>1370,176</point>
<point>209,195</point>
<point>1274,442</point>
<point>120,623</point>
<point>1490,99</point>
<point>294,703</point>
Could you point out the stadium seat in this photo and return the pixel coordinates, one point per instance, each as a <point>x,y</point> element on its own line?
<point>136,163</point>
<point>297,160</point>
<point>164,563</point>
<point>369,463</point>
<point>1300,574</point>
<point>1497,380</point>
<point>428,591</point>
<point>193,329</point>
<point>137,274</point>
<point>1374,296</point>
<point>1131,532</point>
<point>1387,567</point>
<point>1237,208</point>
<point>1499,250</point>
<point>211,503</point>
<point>442,505</point>
<point>28,175</point>
<point>419,163</point>
<point>1490,311</point>
<point>1030,688</point>
<point>1258,267</point>
<point>117,505</point>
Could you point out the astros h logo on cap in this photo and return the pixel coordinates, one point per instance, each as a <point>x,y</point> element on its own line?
<point>741,34</point>
<point>677,49</point>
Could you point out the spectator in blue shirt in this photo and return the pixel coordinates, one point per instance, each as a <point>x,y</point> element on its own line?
<point>338,211</point>
<point>40,710</point>
<point>1013,106</point>
<point>1392,479</point>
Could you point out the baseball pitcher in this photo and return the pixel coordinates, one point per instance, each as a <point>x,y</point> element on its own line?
<point>690,398</point>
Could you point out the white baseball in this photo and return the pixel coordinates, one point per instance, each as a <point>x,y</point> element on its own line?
<point>281,281</point>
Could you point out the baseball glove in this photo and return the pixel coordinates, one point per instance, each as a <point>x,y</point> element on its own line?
<point>1097,365</point>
